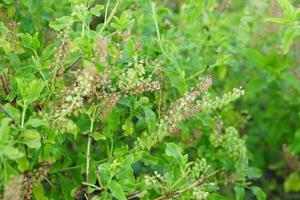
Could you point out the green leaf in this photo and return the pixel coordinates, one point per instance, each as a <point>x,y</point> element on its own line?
<point>116,190</point>
<point>48,52</point>
<point>176,74</point>
<point>258,192</point>
<point>128,127</point>
<point>211,4</point>
<point>32,91</point>
<point>35,122</point>
<point>66,185</point>
<point>297,12</point>
<point>30,42</point>
<point>98,136</point>
<point>32,138</point>
<point>295,147</point>
<point>174,151</point>
<point>38,192</point>
<point>255,58</point>
<point>13,112</point>
<point>150,119</point>
<point>70,127</point>
<point>239,193</point>
<point>216,196</point>
<point>290,34</point>
<point>104,171</point>
<point>35,88</point>
<point>253,172</point>
<point>292,183</point>
<point>288,9</point>
<point>4,130</point>
<point>61,23</point>
<point>12,152</point>
<point>8,1</point>
<point>96,10</point>
<point>22,88</point>
<point>23,164</point>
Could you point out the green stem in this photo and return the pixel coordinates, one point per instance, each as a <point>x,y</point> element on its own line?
<point>88,151</point>
<point>23,115</point>
<point>106,10</point>
<point>157,29</point>
<point>83,29</point>
<point>111,147</point>
<point>110,16</point>
<point>92,185</point>
<point>37,62</point>
<point>83,21</point>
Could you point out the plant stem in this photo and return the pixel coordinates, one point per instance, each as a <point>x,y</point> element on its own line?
<point>83,21</point>
<point>88,151</point>
<point>106,10</point>
<point>92,185</point>
<point>106,22</point>
<point>23,115</point>
<point>154,16</point>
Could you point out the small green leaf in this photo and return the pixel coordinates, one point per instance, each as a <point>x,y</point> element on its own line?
<point>150,118</point>
<point>22,88</point>
<point>239,193</point>
<point>128,127</point>
<point>253,172</point>
<point>35,88</point>
<point>176,74</point>
<point>258,192</point>
<point>290,34</point>
<point>34,122</point>
<point>292,183</point>
<point>32,138</point>
<point>297,12</point>
<point>12,112</point>
<point>3,28</point>
<point>211,4</point>
<point>48,52</point>
<point>38,192</point>
<point>30,42</point>
<point>8,1</point>
<point>4,130</point>
<point>12,152</point>
<point>98,136</point>
<point>32,91</point>
<point>174,151</point>
<point>295,147</point>
<point>61,23</point>
<point>104,171</point>
<point>23,164</point>
<point>116,190</point>
<point>70,127</point>
<point>288,9</point>
<point>96,10</point>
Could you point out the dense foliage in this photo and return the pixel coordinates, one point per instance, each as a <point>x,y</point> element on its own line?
<point>138,99</point>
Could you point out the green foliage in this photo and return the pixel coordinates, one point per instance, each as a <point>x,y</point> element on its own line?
<point>289,19</point>
<point>149,100</point>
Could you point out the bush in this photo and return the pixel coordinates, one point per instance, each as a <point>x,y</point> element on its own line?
<point>149,100</point>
